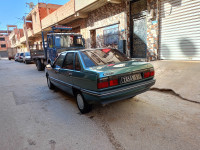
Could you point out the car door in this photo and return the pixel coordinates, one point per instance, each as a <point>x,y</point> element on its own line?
<point>54,73</point>
<point>78,75</point>
<point>66,72</point>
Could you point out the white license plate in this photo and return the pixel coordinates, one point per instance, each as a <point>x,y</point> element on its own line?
<point>131,78</point>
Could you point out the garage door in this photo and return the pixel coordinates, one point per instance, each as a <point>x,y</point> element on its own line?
<point>180,29</point>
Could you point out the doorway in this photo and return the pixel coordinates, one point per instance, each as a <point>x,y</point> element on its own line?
<point>139,18</point>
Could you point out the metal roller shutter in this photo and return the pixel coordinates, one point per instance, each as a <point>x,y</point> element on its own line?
<point>180,29</point>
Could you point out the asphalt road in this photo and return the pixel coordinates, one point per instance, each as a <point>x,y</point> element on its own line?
<point>34,118</point>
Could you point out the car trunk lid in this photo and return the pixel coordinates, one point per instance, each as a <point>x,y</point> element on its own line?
<point>120,74</point>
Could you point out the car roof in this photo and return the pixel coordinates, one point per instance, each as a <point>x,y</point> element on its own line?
<point>80,50</point>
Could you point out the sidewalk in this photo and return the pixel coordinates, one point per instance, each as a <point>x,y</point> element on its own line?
<point>182,77</point>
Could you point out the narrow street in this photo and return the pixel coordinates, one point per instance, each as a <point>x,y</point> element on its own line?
<point>32,117</point>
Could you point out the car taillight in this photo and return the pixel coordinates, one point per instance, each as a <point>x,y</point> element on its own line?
<point>106,82</point>
<point>152,73</point>
<point>146,74</point>
<point>114,82</point>
<point>149,74</point>
<point>102,83</point>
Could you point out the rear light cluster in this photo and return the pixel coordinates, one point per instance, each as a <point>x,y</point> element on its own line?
<point>148,74</point>
<point>107,82</point>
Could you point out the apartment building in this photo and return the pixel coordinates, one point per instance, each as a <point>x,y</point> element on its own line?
<point>112,23</point>
<point>33,25</point>
<point>143,29</point>
<point>4,42</point>
<point>15,41</point>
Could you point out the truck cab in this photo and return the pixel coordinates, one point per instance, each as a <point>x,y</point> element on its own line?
<point>58,40</point>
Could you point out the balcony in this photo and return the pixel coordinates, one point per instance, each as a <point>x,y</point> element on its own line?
<point>12,35</point>
<point>18,43</point>
<point>90,5</point>
<point>59,15</point>
<point>23,40</point>
<point>30,32</point>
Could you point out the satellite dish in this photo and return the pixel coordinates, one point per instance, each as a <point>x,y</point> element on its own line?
<point>31,5</point>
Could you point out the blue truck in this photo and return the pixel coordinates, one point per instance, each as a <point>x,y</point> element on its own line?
<point>58,40</point>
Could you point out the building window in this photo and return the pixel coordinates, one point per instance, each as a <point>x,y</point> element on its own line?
<point>2,39</point>
<point>3,45</point>
<point>111,36</point>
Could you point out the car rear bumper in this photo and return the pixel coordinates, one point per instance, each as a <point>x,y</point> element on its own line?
<point>114,95</point>
<point>20,60</point>
<point>28,60</point>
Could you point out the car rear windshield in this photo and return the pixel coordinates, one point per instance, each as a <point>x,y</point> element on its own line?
<point>27,54</point>
<point>21,54</point>
<point>102,57</point>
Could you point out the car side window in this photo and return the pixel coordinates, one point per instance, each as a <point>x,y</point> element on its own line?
<point>59,61</point>
<point>69,61</point>
<point>77,63</point>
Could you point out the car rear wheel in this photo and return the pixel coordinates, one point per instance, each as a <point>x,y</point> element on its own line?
<point>50,85</point>
<point>83,106</point>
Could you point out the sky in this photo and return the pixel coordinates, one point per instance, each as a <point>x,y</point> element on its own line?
<point>12,11</point>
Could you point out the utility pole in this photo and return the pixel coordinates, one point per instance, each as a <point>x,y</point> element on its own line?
<point>26,35</point>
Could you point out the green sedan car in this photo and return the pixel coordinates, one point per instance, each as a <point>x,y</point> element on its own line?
<point>99,76</point>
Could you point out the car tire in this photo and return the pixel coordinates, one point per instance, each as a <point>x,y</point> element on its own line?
<point>39,65</point>
<point>82,105</point>
<point>50,85</point>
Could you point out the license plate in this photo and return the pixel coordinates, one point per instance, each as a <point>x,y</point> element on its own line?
<point>131,78</point>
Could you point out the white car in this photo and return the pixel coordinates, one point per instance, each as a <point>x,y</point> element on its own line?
<point>27,58</point>
<point>17,56</point>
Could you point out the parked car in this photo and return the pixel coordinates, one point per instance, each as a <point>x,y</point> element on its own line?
<point>20,58</point>
<point>99,76</point>
<point>27,57</point>
<point>16,56</point>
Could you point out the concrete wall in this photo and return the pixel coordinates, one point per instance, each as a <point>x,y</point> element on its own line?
<point>80,4</point>
<point>36,20</point>
<point>103,17</point>
<point>47,9</point>
<point>152,30</point>
<point>41,11</point>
